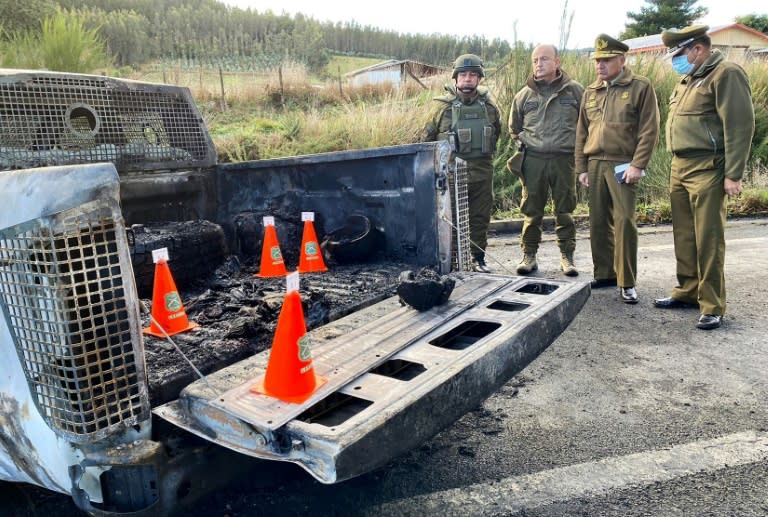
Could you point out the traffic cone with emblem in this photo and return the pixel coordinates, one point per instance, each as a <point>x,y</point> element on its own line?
<point>310,259</point>
<point>168,315</point>
<point>290,375</point>
<point>271,258</point>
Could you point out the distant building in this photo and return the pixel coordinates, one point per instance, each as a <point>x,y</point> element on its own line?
<point>394,72</point>
<point>734,40</point>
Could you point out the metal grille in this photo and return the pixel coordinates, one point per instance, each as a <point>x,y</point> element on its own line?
<point>49,118</point>
<point>461,256</point>
<point>64,297</point>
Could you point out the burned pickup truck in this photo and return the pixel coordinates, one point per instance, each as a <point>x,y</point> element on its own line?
<point>97,172</point>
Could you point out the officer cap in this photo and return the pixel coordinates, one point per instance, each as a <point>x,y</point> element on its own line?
<point>677,39</point>
<point>608,47</point>
<point>468,63</point>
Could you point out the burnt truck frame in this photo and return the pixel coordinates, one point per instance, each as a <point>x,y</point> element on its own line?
<point>85,158</point>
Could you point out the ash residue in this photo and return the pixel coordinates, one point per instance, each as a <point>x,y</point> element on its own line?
<point>237,313</point>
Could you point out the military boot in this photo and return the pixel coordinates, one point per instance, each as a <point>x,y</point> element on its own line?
<point>478,263</point>
<point>528,264</point>
<point>566,264</point>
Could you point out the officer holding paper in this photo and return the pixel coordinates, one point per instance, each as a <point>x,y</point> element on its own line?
<point>618,127</point>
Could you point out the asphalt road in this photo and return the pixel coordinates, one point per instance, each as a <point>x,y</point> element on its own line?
<point>631,411</point>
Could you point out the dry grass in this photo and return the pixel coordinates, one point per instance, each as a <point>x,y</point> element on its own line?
<point>269,119</point>
<point>264,117</point>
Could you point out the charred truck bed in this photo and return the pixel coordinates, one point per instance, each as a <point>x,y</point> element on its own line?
<point>97,173</point>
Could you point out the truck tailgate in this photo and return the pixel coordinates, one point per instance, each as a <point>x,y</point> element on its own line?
<point>396,376</point>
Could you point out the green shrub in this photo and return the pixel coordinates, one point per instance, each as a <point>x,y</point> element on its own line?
<point>63,44</point>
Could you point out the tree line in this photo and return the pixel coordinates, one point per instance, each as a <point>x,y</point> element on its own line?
<point>199,32</point>
<point>140,31</point>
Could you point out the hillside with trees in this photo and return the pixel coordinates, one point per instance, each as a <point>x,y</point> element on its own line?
<point>265,91</point>
<point>210,32</point>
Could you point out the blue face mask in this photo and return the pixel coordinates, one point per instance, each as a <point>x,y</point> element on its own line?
<point>681,65</point>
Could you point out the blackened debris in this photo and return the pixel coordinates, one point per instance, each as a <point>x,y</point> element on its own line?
<point>358,240</point>
<point>424,289</point>
<point>237,314</point>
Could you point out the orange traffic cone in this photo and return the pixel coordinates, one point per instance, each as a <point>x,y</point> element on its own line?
<point>271,259</point>
<point>311,259</point>
<point>167,309</point>
<point>290,376</point>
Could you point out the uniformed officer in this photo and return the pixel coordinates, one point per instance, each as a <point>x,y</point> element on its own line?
<point>542,122</point>
<point>709,131</point>
<point>468,117</point>
<point>615,136</point>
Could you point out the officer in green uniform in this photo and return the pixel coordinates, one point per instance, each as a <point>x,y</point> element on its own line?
<point>542,122</point>
<point>468,117</point>
<point>615,136</point>
<point>709,131</point>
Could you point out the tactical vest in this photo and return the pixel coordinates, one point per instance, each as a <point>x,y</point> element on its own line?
<point>471,133</point>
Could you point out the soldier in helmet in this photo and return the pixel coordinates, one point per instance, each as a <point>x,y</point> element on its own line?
<point>709,132</point>
<point>615,136</point>
<point>468,117</point>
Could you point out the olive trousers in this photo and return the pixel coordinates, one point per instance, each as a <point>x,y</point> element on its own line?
<point>698,200</point>
<point>542,174</point>
<point>612,225</point>
<point>480,202</point>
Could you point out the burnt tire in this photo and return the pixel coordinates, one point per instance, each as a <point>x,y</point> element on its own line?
<point>195,250</point>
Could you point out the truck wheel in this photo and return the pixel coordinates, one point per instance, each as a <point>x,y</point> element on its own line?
<point>195,250</point>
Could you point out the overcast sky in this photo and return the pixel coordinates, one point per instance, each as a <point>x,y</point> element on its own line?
<point>534,22</point>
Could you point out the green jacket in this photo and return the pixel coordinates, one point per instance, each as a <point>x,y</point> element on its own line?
<point>543,116</point>
<point>711,113</point>
<point>618,122</point>
<point>443,122</point>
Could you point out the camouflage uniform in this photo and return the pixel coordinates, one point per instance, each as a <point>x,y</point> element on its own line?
<point>618,123</point>
<point>543,120</point>
<point>479,156</point>
<point>709,131</point>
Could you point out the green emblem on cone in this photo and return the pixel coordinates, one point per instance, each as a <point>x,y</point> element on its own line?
<point>172,301</point>
<point>305,354</point>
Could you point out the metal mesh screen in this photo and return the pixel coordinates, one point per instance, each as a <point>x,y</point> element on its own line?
<point>462,256</point>
<point>51,118</point>
<point>64,297</point>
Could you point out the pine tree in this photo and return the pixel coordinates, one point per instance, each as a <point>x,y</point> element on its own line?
<point>660,15</point>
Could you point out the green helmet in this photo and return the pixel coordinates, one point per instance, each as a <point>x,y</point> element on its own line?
<point>468,63</point>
